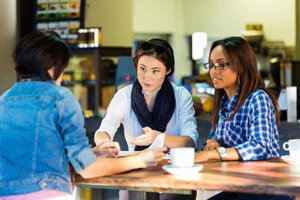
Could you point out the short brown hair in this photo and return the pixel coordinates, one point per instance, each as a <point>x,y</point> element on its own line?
<point>37,52</point>
<point>159,49</point>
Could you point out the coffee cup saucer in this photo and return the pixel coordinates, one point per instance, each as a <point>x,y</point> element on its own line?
<point>289,160</point>
<point>182,170</point>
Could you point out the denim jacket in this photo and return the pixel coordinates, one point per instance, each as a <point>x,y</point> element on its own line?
<point>41,130</point>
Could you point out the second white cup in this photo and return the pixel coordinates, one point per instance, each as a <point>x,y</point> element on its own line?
<point>182,156</point>
<point>293,146</point>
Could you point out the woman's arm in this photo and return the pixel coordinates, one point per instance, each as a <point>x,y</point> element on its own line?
<point>262,139</point>
<point>260,133</point>
<point>109,125</point>
<point>108,166</point>
<point>101,136</point>
<point>171,141</point>
<point>202,156</point>
<point>188,134</point>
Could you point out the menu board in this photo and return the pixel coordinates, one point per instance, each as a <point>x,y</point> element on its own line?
<point>66,29</point>
<point>74,8</point>
<point>42,9</point>
<point>61,16</point>
<point>58,9</point>
<point>63,9</point>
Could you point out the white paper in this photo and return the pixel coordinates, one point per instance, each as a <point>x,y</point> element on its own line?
<point>158,142</point>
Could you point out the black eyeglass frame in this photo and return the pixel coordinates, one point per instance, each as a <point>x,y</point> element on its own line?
<point>217,66</point>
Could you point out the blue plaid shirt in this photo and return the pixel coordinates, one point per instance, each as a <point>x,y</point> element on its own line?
<point>252,130</point>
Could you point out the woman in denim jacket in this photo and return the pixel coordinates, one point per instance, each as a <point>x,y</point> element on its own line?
<point>42,127</point>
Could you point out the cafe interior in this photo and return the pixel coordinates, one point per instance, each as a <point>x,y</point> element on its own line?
<point>103,36</point>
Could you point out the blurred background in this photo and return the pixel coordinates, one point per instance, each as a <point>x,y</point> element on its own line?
<point>100,32</point>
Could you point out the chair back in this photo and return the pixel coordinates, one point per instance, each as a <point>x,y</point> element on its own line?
<point>125,73</point>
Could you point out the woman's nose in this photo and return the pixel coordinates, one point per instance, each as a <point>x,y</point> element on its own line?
<point>147,75</point>
<point>214,70</point>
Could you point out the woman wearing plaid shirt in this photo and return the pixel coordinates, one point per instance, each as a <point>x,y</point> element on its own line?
<point>244,114</point>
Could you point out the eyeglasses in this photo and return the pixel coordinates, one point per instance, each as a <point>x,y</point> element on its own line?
<point>147,46</point>
<point>217,66</point>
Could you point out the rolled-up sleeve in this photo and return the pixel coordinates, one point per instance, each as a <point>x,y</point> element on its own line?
<point>74,134</point>
<point>83,159</point>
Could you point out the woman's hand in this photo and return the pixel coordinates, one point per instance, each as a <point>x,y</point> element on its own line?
<point>150,157</point>
<point>211,144</point>
<point>107,148</point>
<point>147,138</point>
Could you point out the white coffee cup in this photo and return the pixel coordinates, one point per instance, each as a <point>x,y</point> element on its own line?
<point>293,146</point>
<point>182,156</point>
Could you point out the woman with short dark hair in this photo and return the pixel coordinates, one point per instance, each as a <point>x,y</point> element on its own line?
<point>38,52</point>
<point>42,128</point>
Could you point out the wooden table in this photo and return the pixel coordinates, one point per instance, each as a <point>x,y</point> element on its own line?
<point>272,176</point>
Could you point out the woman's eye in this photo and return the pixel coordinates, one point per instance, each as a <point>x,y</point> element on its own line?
<point>143,69</point>
<point>155,71</point>
<point>222,65</point>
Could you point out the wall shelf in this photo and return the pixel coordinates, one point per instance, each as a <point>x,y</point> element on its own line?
<point>98,54</point>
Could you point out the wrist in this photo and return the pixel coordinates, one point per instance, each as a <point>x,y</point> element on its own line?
<point>158,133</point>
<point>222,151</point>
<point>213,155</point>
<point>101,137</point>
<point>139,159</point>
<point>101,141</point>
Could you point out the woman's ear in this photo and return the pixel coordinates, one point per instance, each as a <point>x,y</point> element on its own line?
<point>168,72</point>
<point>51,72</point>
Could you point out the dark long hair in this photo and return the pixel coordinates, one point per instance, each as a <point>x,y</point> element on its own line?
<point>37,52</point>
<point>159,49</point>
<point>242,60</point>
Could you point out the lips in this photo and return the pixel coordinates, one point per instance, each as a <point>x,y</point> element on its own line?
<point>215,79</point>
<point>147,85</point>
